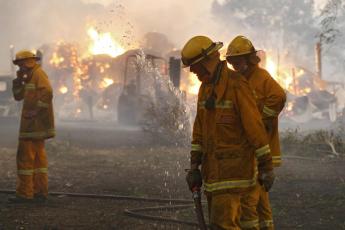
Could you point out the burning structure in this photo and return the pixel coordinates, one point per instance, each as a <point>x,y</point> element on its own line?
<point>107,82</point>
<point>309,96</point>
<point>94,83</point>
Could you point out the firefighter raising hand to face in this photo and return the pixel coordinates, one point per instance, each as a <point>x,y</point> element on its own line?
<point>228,134</point>
<point>37,124</point>
<point>270,99</point>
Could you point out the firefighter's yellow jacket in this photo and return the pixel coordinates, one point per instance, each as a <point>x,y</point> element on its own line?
<point>37,95</point>
<point>227,140</point>
<point>270,98</point>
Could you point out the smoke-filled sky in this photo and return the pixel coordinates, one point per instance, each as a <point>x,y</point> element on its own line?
<point>31,23</point>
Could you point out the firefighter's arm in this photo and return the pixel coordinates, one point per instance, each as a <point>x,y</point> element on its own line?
<point>253,125</point>
<point>44,91</point>
<point>275,97</point>
<point>196,147</point>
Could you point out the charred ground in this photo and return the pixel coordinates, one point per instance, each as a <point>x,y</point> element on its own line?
<point>308,193</point>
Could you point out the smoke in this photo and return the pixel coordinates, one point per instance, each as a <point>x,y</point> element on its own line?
<point>27,24</point>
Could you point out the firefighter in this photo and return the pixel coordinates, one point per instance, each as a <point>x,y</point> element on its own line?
<point>37,124</point>
<point>270,98</point>
<point>228,135</point>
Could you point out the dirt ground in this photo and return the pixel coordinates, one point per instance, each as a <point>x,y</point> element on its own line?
<point>309,192</point>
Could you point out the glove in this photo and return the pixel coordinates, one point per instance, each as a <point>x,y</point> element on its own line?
<point>194,179</point>
<point>266,179</point>
<point>17,82</point>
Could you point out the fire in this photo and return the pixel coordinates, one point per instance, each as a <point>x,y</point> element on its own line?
<point>194,84</point>
<point>103,43</point>
<point>280,74</point>
<point>56,59</point>
<point>271,67</point>
<point>63,89</point>
<point>106,82</point>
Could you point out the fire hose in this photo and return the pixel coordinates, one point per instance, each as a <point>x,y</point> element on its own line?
<point>137,213</point>
<point>179,204</point>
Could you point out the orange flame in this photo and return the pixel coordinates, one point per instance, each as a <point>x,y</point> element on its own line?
<point>103,43</point>
<point>106,82</point>
<point>194,84</point>
<point>56,59</point>
<point>63,89</point>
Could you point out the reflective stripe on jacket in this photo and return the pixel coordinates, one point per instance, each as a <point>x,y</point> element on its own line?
<point>230,136</point>
<point>37,95</point>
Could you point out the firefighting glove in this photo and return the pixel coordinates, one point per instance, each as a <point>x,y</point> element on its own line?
<point>17,82</point>
<point>194,179</point>
<point>266,179</point>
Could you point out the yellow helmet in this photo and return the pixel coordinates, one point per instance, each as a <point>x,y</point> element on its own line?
<point>198,48</point>
<point>240,45</point>
<point>24,54</point>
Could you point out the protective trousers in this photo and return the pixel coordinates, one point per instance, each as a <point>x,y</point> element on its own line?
<point>256,210</point>
<point>265,211</point>
<point>32,169</point>
<point>224,211</point>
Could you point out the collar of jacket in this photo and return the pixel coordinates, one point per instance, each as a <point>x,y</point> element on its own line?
<point>248,73</point>
<point>31,73</point>
<point>222,82</point>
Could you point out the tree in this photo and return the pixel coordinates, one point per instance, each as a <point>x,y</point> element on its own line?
<point>331,21</point>
<point>332,27</point>
<point>281,24</point>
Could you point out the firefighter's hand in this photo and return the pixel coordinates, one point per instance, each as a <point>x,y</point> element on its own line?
<point>194,179</point>
<point>21,74</point>
<point>17,81</point>
<point>266,179</point>
<point>30,114</point>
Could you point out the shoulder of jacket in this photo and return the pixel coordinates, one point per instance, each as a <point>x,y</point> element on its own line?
<point>236,80</point>
<point>263,73</point>
<point>201,91</point>
<point>39,71</point>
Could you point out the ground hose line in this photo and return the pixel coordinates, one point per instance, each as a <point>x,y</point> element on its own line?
<point>135,212</point>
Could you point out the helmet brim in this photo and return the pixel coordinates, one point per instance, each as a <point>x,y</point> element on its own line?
<point>15,61</point>
<point>217,47</point>
<point>240,54</point>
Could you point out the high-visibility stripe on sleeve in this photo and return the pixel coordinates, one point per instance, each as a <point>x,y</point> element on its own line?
<point>42,104</point>
<point>276,159</point>
<point>226,104</point>
<point>262,151</point>
<point>48,133</point>
<point>27,172</point>
<point>196,147</point>
<point>30,86</point>
<point>41,170</point>
<point>269,112</point>
<point>266,224</point>
<point>249,224</point>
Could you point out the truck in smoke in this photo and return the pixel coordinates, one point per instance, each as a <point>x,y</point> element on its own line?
<point>8,107</point>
